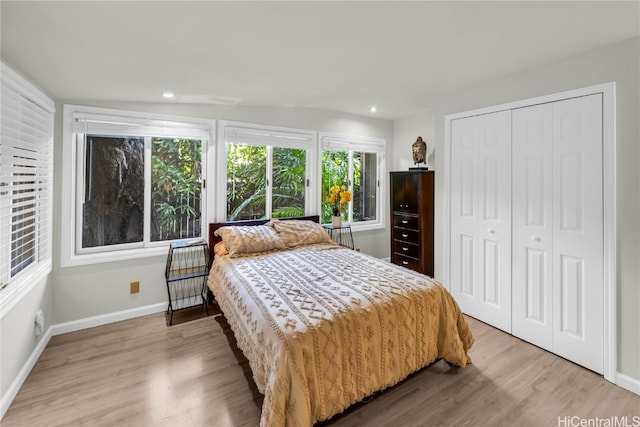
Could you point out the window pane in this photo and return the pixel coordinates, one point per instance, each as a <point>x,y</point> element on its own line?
<point>289,172</point>
<point>113,209</point>
<point>365,181</point>
<point>246,181</point>
<point>176,176</point>
<point>335,171</point>
<point>23,223</point>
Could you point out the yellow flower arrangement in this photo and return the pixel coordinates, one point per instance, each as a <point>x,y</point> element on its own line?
<point>339,197</point>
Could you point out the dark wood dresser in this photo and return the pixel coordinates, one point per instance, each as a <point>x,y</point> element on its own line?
<point>412,200</point>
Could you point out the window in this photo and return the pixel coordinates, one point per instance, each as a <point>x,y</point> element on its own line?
<point>268,171</point>
<point>357,163</point>
<point>26,170</point>
<point>138,182</point>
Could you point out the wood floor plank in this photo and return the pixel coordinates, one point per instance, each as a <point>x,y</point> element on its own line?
<point>142,373</point>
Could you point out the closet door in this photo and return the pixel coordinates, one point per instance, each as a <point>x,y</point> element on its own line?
<point>578,231</point>
<point>464,214</point>
<point>557,228</point>
<point>481,217</point>
<point>532,211</point>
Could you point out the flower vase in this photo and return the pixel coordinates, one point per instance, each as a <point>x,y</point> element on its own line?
<point>336,221</point>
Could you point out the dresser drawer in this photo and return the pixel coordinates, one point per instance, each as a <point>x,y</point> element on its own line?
<point>404,235</point>
<point>405,221</point>
<point>404,261</point>
<point>406,249</point>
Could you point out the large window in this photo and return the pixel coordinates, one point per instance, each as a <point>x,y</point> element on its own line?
<point>357,163</point>
<point>268,171</point>
<point>26,170</point>
<point>138,181</point>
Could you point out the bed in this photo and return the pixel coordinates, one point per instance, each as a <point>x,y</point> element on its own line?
<point>323,326</point>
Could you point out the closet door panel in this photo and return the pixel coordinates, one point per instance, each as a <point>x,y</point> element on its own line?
<point>532,224</point>
<point>494,222</point>
<point>480,217</point>
<point>578,232</point>
<point>464,221</point>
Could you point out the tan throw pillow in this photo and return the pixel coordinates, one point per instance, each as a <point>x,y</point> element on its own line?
<point>220,249</point>
<point>245,239</point>
<point>300,232</point>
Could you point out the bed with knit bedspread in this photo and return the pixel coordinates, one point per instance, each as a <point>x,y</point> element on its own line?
<point>324,327</point>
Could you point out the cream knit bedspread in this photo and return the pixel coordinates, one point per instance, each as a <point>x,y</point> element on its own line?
<point>323,327</point>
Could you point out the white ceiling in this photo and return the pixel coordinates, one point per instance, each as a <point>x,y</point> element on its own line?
<point>342,56</point>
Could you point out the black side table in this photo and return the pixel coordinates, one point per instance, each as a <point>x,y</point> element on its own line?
<point>186,274</point>
<point>341,235</point>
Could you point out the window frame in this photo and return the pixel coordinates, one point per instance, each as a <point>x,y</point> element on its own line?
<point>157,125</point>
<point>14,288</point>
<point>272,136</point>
<point>352,144</point>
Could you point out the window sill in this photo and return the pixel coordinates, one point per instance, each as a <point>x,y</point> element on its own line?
<point>115,256</point>
<point>15,292</point>
<point>367,227</point>
<point>357,227</point>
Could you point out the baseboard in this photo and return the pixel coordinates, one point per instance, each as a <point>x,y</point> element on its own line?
<point>15,386</point>
<point>104,319</point>
<point>628,383</point>
<point>63,328</point>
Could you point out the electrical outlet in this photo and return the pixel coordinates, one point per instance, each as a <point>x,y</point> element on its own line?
<point>135,287</point>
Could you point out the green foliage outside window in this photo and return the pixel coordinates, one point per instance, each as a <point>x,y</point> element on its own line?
<point>335,171</point>
<point>247,182</point>
<point>289,173</point>
<point>175,188</point>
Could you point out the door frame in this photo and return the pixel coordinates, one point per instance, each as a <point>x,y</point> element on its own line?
<point>609,297</point>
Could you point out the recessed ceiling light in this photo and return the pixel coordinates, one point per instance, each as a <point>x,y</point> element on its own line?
<point>373,109</point>
<point>167,95</point>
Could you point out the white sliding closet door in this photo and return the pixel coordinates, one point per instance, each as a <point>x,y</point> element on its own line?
<point>578,231</point>
<point>481,217</point>
<point>557,228</point>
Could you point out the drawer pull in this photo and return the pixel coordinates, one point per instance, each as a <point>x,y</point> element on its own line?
<point>405,249</point>
<point>405,235</point>
<point>405,262</point>
<point>404,221</point>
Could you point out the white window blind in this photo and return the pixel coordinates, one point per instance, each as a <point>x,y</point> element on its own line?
<point>352,143</point>
<point>26,171</point>
<point>264,135</point>
<point>139,125</point>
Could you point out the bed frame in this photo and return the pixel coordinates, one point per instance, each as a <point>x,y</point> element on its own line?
<point>213,239</point>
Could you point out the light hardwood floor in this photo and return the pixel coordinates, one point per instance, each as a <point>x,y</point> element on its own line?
<point>141,373</point>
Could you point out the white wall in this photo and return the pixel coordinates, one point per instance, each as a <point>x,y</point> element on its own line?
<point>405,132</point>
<point>618,62</point>
<point>95,290</point>
<point>17,338</point>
